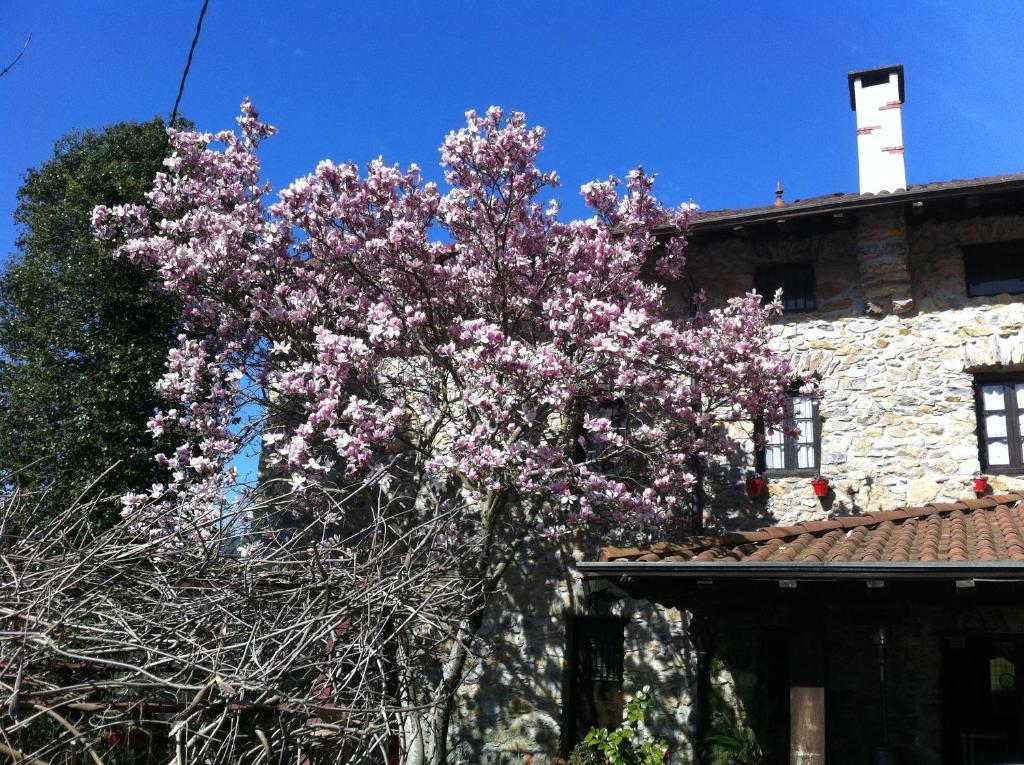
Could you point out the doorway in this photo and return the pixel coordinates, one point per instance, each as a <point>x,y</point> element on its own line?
<point>982,709</point>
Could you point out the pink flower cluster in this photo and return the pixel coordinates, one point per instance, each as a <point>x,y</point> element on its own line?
<point>449,346</point>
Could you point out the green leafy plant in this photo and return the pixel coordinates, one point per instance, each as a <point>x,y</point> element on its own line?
<point>737,747</point>
<point>626,745</point>
<point>731,742</point>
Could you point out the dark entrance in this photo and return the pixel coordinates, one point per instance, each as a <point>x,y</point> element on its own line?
<point>983,710</point>
<point>596,655</point>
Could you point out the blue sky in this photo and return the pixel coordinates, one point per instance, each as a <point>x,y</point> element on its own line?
<point>721,100</point>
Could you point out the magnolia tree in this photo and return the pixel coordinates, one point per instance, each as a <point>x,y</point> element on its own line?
<point>459,355</point>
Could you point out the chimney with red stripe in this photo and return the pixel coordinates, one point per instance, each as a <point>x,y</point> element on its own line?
<point>877,95</point>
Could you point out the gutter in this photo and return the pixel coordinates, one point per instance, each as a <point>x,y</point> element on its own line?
<point>1002,571</point>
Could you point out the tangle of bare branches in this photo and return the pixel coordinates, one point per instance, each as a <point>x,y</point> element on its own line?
<point>117,648</point>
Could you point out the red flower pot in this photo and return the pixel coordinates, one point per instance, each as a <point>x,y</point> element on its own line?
<point>980,484</point>
<point>755,487</point>
<point>820,486</point>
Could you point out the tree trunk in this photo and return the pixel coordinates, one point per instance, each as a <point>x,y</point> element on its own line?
<point>427,731</point>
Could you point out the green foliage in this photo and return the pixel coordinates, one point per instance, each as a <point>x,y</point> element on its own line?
<point>736,747</point>
<point>730,741</point>
<point>625,745</point>
<point>83,338</point>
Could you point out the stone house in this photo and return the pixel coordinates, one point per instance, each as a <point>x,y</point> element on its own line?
<point>906,304</point>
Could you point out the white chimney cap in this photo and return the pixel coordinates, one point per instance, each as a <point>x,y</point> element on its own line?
<point>878,76</point>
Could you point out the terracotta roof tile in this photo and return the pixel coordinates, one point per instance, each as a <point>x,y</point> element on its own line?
<point>984,529</point>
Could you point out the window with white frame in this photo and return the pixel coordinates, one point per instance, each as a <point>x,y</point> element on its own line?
<point>1001,422</point>
<point>796,445</point>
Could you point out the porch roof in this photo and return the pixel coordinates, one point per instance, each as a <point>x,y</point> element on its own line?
<point>974,538</point>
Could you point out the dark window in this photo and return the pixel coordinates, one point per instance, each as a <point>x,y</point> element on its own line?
<point>597,663</point>
<point>599,648</point>
<point>996,268</point>
<point>1001,421</point>
<point>796,281</point>
<point>785,451</point>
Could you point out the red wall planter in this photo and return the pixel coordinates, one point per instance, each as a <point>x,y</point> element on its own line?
<point>755,487</point>
<point>820,486</point>
<point>980,484</point>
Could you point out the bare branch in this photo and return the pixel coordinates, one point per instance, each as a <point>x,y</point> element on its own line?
<point>324,640</point>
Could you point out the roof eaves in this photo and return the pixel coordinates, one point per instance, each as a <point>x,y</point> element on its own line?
<point>803,570</point>
<point>842,202</point>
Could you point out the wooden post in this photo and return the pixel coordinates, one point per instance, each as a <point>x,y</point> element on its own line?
<point>807,691</point>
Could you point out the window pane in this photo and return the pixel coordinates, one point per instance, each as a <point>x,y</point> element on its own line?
<point>998,452</point>
<point>803,407</point>
<point>775,458</point>
<point>992,397</point>
<point>797,450</point>
<point>995,425</point>
<point>1020,395</point>
<point>1002,676</point>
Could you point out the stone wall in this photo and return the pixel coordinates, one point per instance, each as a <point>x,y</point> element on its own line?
<point>513,708</point>
<point>898,418</point>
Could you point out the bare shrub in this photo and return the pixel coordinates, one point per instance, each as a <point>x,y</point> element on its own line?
<point>120,647</point>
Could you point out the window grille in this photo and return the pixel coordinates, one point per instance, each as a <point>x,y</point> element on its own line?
<point>599,648</point>
<point>995,268</point>
<point>796,281</point>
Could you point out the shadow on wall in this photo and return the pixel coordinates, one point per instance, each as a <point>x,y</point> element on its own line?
<point>512,703</point>
<point>514,709</point>
<point>726,267</point>
<point>729,508</point>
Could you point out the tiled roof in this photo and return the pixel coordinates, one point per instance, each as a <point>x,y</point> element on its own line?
<point>981,530</point>
<point>832,201</point>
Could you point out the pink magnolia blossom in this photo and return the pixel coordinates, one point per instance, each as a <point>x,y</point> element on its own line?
<point>449,347</point>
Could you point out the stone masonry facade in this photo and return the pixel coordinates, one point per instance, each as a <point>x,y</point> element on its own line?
<point>895,343</point>
<point>514,707</point>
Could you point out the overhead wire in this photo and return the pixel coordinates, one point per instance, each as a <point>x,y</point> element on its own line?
<point>17,58</point>
<point>188,63</point>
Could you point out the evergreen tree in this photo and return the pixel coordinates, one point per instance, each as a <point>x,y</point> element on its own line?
<point>83,337</point>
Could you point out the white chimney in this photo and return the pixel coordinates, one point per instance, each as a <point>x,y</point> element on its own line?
<point>877,95</point>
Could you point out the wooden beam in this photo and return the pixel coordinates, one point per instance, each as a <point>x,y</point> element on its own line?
<point>807,691</point>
